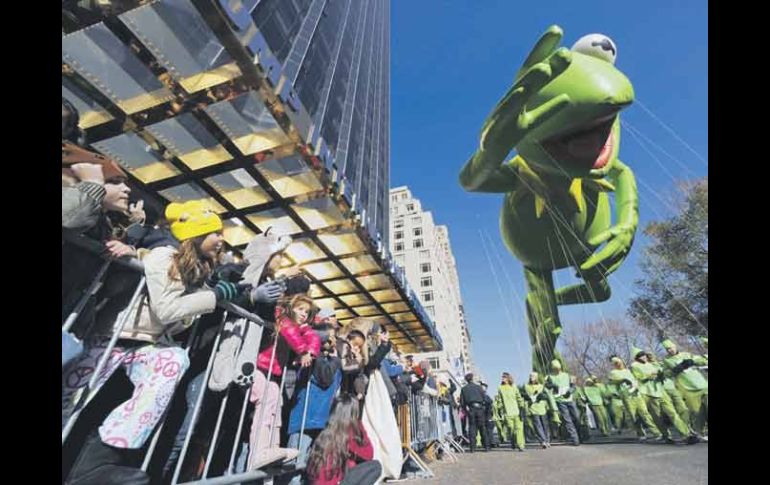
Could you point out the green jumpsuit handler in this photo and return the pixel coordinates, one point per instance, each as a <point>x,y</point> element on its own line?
<point>613,395</point>
<point>690,382</point>
<point>705,342</point>
<point>510,404</point>
<point>670,390</point>
<point>595,398</point>
<point>560,384</point>
<point>530,434</point>
<point>584,429</point>
<point>650,378</point>
<point>502,430</point>
<point>540,402</point>
<point>632,399</point>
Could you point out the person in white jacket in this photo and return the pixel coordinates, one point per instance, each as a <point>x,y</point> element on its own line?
<point>176,293</point>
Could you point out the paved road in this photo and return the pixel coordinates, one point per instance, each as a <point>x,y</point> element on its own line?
<point>598,464</point>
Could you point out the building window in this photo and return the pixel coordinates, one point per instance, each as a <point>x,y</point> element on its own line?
<point>417,231</point>
<point>403,195</point>
<point>427,296</point>
<point>426,281</point>
<point>399,223</point>
<point>399,235</point>
<point>394,198</point>
<point>399,246</point>
<point>425,267</point>
<point>433,361</point>
<point>410,207</point>
<point>425,254</point>
<point>417,220</point>
<point>417,243</point>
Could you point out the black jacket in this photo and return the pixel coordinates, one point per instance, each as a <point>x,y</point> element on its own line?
<point>471,393</point>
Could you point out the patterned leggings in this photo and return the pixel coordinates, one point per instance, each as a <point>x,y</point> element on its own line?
<point>154,370</point>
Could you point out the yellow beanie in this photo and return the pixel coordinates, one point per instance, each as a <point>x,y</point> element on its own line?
<point>191,219</point>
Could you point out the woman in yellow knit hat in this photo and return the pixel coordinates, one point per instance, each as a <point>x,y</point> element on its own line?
<point>176,293</point>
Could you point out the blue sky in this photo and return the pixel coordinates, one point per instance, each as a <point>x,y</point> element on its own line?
<point>452,61</point>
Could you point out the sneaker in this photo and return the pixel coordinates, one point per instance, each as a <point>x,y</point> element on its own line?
<point>705,438</point>
<point>692,439</point>
<point>544,445</point>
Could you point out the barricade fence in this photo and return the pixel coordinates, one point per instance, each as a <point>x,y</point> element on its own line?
<point>421,421</point>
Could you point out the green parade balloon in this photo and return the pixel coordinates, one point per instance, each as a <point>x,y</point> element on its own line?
<point>561,118</point>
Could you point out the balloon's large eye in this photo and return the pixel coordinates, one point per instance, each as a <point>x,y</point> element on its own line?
<point>597,45</point>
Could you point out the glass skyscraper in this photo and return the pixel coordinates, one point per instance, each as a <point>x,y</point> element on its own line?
<point>274,113</point>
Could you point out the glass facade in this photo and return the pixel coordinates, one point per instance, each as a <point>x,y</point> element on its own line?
<point>275,113</point>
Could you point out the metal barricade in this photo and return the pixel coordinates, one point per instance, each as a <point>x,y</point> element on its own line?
<point>215,447</point>
<point>422,421</point>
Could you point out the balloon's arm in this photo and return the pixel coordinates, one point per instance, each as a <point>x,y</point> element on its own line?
<point>478,176</point>
<point>626,195</point>
<point>620,236</point>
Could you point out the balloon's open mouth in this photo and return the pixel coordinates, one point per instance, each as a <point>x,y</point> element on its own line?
<point>587,146</point>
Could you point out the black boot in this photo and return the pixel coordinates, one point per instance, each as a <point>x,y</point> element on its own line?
<point>101,464</point>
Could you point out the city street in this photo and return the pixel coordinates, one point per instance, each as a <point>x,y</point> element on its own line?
<point>610,464</point>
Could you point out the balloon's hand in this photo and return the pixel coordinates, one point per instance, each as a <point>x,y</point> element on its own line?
<point>619,239</point>
<point>510,120</point>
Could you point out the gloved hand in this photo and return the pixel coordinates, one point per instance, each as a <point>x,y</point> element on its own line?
<point>627,382</point>
<point>527,398</point>
<point>267,292</point>
<point>682,366</point>
<point>228,272</point>
<point>660,377</point>
<point>550,385</point>
<point>542,397</point>
<point>226,291</point>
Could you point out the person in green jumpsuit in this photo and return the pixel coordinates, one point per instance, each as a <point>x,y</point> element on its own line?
<point>705,342</point>
<point>595,397</point>
<point>502,430</point>
<point>584,427</point>
<point>540,402</point>
<point>690,382</point>
<point>563,389</point>
<point>650,378</point>
<point>530,434</point>
<point>510,403</point>
<point>636,407</point>
<point>669,387</point>
<point>617,409</point>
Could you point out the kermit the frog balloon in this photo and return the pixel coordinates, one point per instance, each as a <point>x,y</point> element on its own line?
<point>561,118</point>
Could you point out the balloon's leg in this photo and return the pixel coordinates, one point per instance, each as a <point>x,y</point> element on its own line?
<point>542,317</point>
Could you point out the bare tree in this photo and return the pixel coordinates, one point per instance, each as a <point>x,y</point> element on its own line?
<point>587,348</point>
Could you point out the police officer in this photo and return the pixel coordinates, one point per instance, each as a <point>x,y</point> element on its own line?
<point>472,400</point>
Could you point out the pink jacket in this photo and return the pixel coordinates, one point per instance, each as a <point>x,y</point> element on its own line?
<point>299,338</point>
